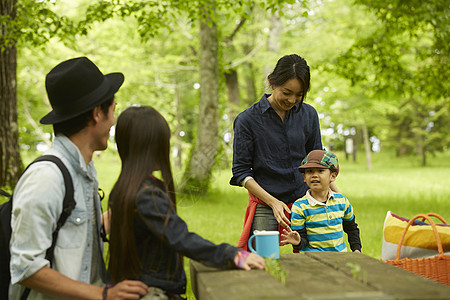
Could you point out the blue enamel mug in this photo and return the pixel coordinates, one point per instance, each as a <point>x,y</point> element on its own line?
<point>266,243</point>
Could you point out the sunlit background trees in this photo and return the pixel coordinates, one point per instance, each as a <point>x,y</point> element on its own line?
<point>379,70</point>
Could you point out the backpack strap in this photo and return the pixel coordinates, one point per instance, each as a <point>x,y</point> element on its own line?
<point>68,202</point>
<point>5,193</point>
<point>68,205</point>
<point>101,195</point>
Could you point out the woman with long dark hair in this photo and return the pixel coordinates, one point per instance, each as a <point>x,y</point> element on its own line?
<point>147,237</point>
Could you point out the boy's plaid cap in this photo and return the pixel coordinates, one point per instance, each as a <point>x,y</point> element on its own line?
<point>320,159</point>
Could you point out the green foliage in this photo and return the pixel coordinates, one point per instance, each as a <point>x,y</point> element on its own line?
<point>274,269</point>
<point>395,58</point>
<point>421,125</point>
<point>155,15</point>
<point>193,185</point>
<point>34,23</point>
<point>407,52</point>
<point>151,15</point>
<point>155,71</point>
<point>357,272</point>
<point>156,45</point>
<point>411,15</point>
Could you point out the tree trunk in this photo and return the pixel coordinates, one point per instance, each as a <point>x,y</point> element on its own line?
<point>424,158</point>
<point>10,161</point>
<point>197,176</point>
<point>231,78</point>
<point>178,116</point>
<point>249,77</point>
<point>274,41</point>
<point>252,96</point>
<point>421,146</point>
<point>367,147</point>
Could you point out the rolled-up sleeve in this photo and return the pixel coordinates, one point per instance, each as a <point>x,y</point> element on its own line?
<point>34,214</point>
<point>243,147</point>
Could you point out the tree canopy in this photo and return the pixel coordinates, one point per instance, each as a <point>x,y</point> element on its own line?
<point>379,66</point>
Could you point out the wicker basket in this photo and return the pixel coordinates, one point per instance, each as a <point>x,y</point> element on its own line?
<point>436,268</point>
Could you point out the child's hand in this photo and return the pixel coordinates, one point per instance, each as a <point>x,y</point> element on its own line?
<point>290,237</point>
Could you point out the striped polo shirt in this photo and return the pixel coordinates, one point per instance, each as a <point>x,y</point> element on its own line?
<point>323,221</point>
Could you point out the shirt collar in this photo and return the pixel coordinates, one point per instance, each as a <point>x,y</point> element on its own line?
<point>313,202</point>
<point>264,103</point>
<point>65,145</point>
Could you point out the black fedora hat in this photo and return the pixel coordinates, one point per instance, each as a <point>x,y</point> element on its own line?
<point>76,86</point>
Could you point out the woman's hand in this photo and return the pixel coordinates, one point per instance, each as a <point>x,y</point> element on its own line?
<point>253,260</point>
<point>279,209</point>
<point>290,237</point>
<point>334,188</point>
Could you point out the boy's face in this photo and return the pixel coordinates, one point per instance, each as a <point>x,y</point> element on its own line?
<point>319,179</point>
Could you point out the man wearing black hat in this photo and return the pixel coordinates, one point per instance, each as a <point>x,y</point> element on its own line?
<point>83,105</point>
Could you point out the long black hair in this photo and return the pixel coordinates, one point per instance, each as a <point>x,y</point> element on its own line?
<point>143,142</point>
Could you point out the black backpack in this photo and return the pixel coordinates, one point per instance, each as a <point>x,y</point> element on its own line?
<point>5,225</point>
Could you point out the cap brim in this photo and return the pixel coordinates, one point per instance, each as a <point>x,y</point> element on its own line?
<point>114,80</point>
<point>311,165</point>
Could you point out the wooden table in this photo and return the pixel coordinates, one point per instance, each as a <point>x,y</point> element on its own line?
<point>316,275</point>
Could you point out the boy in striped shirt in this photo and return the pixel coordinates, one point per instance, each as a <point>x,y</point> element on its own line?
<point>319,218</point>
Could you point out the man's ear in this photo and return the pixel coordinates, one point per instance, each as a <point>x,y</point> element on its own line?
<point>96,114</point>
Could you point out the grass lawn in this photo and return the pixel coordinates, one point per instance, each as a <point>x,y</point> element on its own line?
<point>397,184</point>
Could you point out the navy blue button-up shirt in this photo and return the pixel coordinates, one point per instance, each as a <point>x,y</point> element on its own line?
<point>270,150</point>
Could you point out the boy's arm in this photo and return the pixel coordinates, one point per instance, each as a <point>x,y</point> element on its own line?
<point>303,240</point>
<point>298,225</point>
<point>55,284</point>
<point>352,230</point>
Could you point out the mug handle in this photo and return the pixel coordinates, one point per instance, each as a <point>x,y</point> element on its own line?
<point>250,247</point>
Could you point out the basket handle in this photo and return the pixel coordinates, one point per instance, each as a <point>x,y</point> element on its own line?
<point>437,216</point>
<point>436,234</point>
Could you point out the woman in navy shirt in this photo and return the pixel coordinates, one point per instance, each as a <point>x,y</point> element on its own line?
<point>271,138</point>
